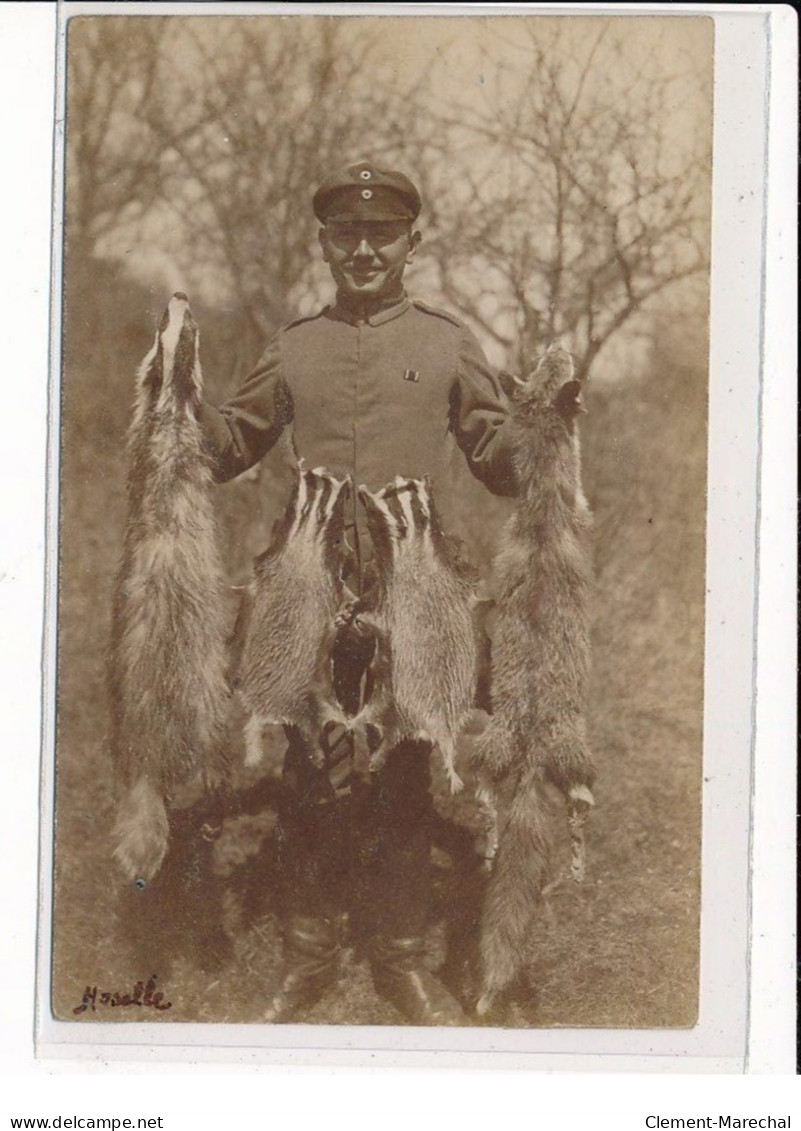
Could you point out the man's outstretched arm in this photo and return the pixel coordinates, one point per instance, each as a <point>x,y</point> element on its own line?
<point>479,419</point>
<point>241,431</point>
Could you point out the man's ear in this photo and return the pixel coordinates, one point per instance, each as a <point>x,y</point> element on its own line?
<point>322,239</point>
<point>414,242</point>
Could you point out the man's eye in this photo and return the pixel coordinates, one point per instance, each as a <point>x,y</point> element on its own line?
<point>343,236</point>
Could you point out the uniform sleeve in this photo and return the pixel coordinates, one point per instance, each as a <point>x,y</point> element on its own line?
<point>479,419</point>
<point>241,431</point>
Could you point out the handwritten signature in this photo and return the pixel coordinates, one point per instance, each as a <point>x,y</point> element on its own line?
<point>144,994</point>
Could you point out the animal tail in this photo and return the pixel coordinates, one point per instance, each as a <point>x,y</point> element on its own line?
<point>141,831</point>
<point>514,891</point>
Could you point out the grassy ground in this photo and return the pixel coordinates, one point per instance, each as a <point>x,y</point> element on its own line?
<point>621,950</point>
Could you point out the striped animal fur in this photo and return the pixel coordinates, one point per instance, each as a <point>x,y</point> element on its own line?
<point>169,694</point>
<point>427,665</point>
<point>540,661</point>
<point>285,676</point>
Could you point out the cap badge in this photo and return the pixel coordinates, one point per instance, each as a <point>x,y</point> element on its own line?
<point>411,375</point>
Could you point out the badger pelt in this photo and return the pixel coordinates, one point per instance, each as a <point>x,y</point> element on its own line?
<point>540,662</point>
<point>285,676</point>
<point>169,695</point>
<point>423,616</point>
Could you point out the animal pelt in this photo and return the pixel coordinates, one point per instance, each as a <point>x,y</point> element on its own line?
<point>169,695</point>
<point>286,676</point>
<point>540,660</point>
<point>423,617</point>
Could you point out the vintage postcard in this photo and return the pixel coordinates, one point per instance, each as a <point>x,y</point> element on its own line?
<point>383,520</point>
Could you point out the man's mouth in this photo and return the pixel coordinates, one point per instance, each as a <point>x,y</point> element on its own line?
<point>364,272</point>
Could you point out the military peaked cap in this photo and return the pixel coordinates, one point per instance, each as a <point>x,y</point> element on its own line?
<point>365,192</point>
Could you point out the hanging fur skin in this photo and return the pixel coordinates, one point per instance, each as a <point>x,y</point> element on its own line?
<point>427,648</point>
<point>285,675</point>
<point>169,695</point>
<point>540,663</point>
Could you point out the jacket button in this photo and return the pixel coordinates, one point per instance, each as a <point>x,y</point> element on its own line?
<point>367,194</point>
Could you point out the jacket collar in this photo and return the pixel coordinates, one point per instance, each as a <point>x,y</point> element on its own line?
<point>348,309</point>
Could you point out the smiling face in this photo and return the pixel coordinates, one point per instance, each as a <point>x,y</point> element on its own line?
<point>367,258</point>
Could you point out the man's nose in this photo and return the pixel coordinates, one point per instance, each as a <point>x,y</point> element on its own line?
<point>364,247</point>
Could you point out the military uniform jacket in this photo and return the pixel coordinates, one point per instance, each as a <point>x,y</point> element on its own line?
<point>371,397</point>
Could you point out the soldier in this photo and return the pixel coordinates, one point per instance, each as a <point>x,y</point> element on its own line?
<point>370,385</point>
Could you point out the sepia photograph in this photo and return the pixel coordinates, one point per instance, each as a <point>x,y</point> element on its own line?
<point>383,380</point>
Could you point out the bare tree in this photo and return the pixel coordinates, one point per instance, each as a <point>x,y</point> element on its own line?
<point>112,168</point>
<point>564,193</point>
<point>247,130</point>
<point>582,192</point>
<point>210,134</point>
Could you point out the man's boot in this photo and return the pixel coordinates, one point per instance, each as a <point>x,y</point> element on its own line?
<point>400,976</point>
<point>310,966</point>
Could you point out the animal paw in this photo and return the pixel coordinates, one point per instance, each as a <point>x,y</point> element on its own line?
<point>580,801</point>
<point>456,783</point>
<point>347,613</point>
<point>366,625</point>
<point>254,750</point>
<point>377,761</point>
<point>580,797</point>
<point>485,1004</point>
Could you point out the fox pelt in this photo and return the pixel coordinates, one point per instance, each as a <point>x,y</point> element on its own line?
<point>540,663</point>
